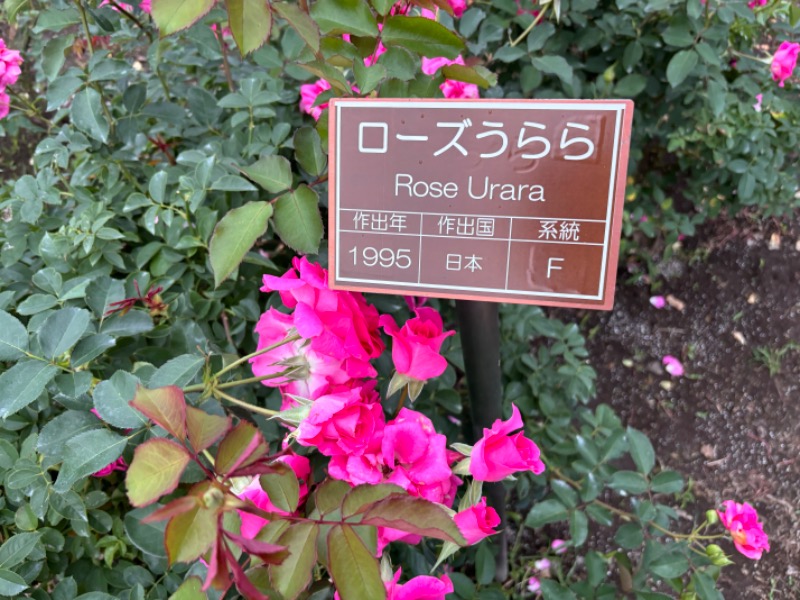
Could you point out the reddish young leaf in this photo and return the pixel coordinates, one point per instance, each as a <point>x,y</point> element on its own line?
<point>155,471</point>
<point>217,575</point>
<point>237,446</point>
<point>361,497</point>
<point>272,554</point>
<point>243,584</point>
<point>354,569</point>
<point>173,509</point>
<point>414,515</point>
<point>165,406</point>
<point>190,534</point>
<point>293,575</point>
<point>205,429</point>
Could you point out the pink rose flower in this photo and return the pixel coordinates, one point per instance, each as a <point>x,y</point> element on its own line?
<point>145,6</point>
<point>498,454</point>
<point>741,520</point>
<point>122,5</point>
<point>477,522</point>
<point>450,88</point>
<point>417,456</point>
<point>415,347</point>
<point>558,546</point>
<point>343,423</point>
<point>5,103</point>
<point>459,6</point>
<point>658,301</point>
<point>673,366</point>
<point>754,3</point>
<point>10,60</point>
<point>308,96</point>
<point>534,585</point>
<point>759,100</point>
<point>784,61</point>
<point>117,465</point>
<point>423,587</point>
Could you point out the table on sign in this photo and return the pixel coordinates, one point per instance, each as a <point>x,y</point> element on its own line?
<point>489,253</point>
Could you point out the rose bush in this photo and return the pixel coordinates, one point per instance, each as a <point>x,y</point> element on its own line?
<point>174,162</point>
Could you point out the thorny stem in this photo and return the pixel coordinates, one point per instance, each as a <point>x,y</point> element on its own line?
<point>131,17</point>
<point>85,23</point>
<point>226,67</point>
<point>244,359</point>
<point>230,384</point>
<point>530,27</point>
<point>257,409</point>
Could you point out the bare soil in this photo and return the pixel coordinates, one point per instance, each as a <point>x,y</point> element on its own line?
<point>732,423</point>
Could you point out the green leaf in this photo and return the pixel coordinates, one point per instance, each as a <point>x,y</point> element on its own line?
<point>90,348</point>
<point>551,590</point>
<point>13,338</point>
<point>363,496</point>
<point>298,221</point>
<point>630,85</point>
<point>147,537</point>
<point>680,66</point>
<point>273,173</point>
<point>628,481</point>
<point>414,515</point>
<point>344,16</point>
<point>132,323</point>
<point>423,36</point>
<point>554,65</point>
<point>667,482</point>
<point>234,235</point>
<point>308,151</point>
<point>54,55</point>
<point>190,534</point>
<point>368,78</point>
<point>298,20</point>
<point>547,511</point>
<point>36,303</point>
<point>190,589</point>
<point>478,75</point>
<point>156,469</point>
<point>233,183</point>
<point>17,548</point>
<point>705,586</point>
<point>11,584</point>
<point>250,22</point>
<point>292,576</point>
<point>12,7</point>
<point>282,487</point>
<point>165,406</point>
<point>400,63</point>
<point>641,451</point>
<point>57,432</point>
<point>62,330</point>
<point>173,15</point>
<point>670,565</point>
<point>354,569</point>
<point>205,429</point>
<point>578,527</point>
<point>22,384</point>
<point>678,35</point>
<point>330,495</point>
<point>87,453</point>
<point>382,6</point>
<point>629,536</point>
<point>87,114</point>
<point>237,446</point>
<point>112,400</point>
<point>102,292</point>
<point>179,371</point>
<point>794,14</point>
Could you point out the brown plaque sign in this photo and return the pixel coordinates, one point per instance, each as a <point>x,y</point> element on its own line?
<point>502,200</point>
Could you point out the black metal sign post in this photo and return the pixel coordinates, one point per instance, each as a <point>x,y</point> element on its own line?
<point>479,324</point>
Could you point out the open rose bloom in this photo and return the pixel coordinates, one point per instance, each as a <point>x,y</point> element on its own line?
<point>741,520</point>
<point>784,61</point>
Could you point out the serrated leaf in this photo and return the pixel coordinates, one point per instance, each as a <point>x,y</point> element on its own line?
<point>641,451</point>
<point>298,20</point>
<point>282,487</point>
<point>112,401</point>
<point>354,569</point>
<point>11,584</point>
<point>205,429</point>
<point>22,384</point>
<point>273,173</point>
<point>344,16</point>
<point>62,329</point>
<point>234,235</point>
<point>17,548</point>
<point>190,534</point>
<point>293,575</point>
<point>363,496</point>
<point>368,78</point>
<point>298,221</point>
<point>250,22</point>
<point>630,482</point>
<point>13,338</point>
<point>87,453</point>
<point>179,371</point>
<point>554,65</point>
<point>552,590</point>
<point>667,482</point>
<point>308,151</point>
<point>547,511</point>
<point>87,114</point>
<point>190,589</point>
<point>236,447</point>
<point>165,406</point>
<point>156,469</point>
<point>470,75</point>
<point>173,15</point>
<point>58,431</point>
<point>414,515</point>
<point>423,36</point>
<point>680,66</point>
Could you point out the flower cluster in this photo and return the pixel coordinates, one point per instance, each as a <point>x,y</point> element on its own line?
<point>319,357</point>
<point>10,61</point>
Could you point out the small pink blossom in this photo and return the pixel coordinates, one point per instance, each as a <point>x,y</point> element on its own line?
<point>673,366</point>
<point>450,88</point>
<point>308,96</point>
<point>534,585</point>
<point>10,61</point>
<point>784,61</point>
<point>658,301</point>
<point>122,5</point>
<point>558,546</point>
<point>754,3</point>
<point>757,105</point>
<point>5,103</point>
<point>741,520</point>
<point>499,454</point>
<point>477,522</point>
<point>422,587</point>
<point>117,465</point>
<point>145,6</point>
<point>415,346</point>
<point>458,6</point>
<point>542,565</point>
